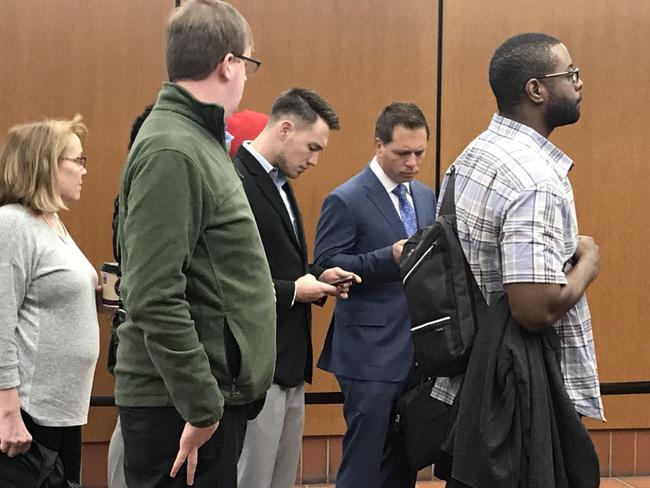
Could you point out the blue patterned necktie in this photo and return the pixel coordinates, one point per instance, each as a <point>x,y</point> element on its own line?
<point>406,210</point>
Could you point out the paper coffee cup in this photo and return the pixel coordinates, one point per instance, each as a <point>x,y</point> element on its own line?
<point>111,284</point>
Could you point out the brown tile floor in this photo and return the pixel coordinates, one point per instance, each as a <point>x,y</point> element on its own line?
<point>626,482</point>
<point>637,482</point>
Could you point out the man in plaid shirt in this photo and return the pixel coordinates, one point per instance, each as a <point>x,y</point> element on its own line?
<point>516,213</point>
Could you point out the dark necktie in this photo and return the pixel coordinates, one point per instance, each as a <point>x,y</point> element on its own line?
<point>406,210</point>
<point>282,184</point>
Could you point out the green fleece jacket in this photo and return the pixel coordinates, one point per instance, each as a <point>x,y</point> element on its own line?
<point>196,285</point>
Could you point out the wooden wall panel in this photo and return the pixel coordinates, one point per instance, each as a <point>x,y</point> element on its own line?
<point>105,60</point>
<point>360,56</point>
<point>609,145</point>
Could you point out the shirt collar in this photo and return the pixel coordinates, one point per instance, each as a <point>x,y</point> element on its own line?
<point>523,134</point>
<point>276,175</point>
<point>384,179</point>
<point>228,137</point>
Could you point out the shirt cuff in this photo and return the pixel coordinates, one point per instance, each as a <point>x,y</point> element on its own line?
<point>9,377</point>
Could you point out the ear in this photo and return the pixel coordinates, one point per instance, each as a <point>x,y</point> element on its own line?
<point>225,69</point>
<point>286,127</point>
<point>536,91</point>
<point>378,146</point>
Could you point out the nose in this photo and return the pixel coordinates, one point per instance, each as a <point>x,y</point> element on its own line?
<point>313,159</point>
<point>579,84</point>
<point>412,160</point>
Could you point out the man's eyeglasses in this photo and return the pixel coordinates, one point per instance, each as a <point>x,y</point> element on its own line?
<point>252,65</point>
<point>573,74</point>
<point>81,160</point>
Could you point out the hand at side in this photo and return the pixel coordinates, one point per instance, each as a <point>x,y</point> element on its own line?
<point>188,450</point>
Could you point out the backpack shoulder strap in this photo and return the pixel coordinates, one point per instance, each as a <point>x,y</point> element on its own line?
<point>448,205</point>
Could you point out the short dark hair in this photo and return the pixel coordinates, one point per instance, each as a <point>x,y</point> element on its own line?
<point>516,61</point>
<point>306,105</point>
<point>137,123</point>
<point>403,114</point>
<point>199,35</point>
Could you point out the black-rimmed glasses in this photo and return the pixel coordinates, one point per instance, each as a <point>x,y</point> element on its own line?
<point>252,65</point>
<point>81,160</point>
<point>573,74</point>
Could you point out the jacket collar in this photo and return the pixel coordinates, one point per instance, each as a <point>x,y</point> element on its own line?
<point>377,194</point>
<point>210,116</point>
<point>271,192</point>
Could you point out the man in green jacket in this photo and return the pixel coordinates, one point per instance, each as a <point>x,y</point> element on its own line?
<point>197,349</point>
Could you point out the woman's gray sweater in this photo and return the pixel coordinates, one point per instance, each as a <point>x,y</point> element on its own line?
<point>49,335</point>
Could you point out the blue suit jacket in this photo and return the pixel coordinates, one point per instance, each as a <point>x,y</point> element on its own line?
<point>369,336</point>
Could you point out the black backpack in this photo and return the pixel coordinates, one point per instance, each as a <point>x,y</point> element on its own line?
<point>440,293</point>
<point>421,424</point>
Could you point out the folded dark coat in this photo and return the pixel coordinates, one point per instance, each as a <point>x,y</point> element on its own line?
<point>39,467</point>
<point>514,425</point>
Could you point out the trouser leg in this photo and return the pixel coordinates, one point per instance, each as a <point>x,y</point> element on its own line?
<point>116,459</point>
<point>257,461</point>
<point>367,409</point>
<point>286,462</point>
<point>66,441</point>
<point>151,437</point>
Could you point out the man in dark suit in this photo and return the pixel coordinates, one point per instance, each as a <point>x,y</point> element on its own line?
<point>291,142</point>
<point>362,228</point>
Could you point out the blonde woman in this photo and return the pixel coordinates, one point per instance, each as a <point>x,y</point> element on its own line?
<point>49,338</point>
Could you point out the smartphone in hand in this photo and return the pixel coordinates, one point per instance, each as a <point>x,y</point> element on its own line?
<point>342,281</point>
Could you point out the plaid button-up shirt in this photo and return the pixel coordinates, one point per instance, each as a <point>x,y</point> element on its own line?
<point>517,224</point>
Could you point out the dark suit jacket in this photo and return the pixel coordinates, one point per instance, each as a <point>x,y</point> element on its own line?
<point>287,256</point>
<point>369,336</point>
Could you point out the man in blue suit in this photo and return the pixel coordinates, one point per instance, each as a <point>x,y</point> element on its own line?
<point>363,226</point>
